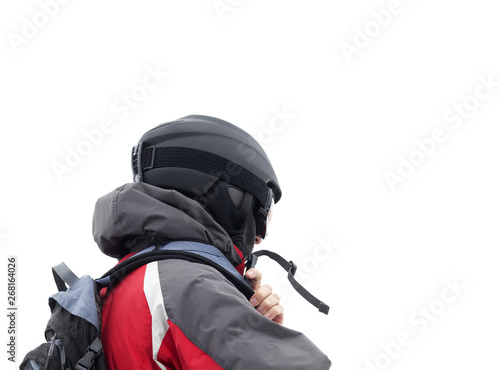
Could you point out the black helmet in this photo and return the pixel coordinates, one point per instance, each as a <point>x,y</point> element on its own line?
<point>194,153</point>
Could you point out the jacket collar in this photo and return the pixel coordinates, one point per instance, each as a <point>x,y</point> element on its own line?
<point>138,215</point>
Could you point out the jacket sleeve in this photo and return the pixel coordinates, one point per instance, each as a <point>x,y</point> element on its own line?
<point>211,322</point>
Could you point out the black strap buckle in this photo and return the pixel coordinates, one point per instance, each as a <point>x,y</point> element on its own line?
<point>93,351</point>
<point>136,162</point>
<point>293,268</point>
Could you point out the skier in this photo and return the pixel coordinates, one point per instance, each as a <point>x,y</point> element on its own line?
<point>204,187</point>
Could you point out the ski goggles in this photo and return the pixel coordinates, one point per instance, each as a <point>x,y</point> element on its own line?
<point>264,215</point>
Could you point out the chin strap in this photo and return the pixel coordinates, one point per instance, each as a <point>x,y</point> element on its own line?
<point>291,268</point>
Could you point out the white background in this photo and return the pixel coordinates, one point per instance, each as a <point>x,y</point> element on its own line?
<point>356,117</point>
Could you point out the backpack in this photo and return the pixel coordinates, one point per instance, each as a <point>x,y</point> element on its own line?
<point>73,333</point>
<point>73,330</point>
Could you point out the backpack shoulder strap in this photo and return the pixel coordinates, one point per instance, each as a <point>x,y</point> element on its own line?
<point>188,251</point>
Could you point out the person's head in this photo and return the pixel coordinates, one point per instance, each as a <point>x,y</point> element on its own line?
<point>219,165</point>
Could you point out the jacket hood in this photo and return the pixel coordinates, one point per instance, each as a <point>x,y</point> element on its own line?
<point>138,215</point>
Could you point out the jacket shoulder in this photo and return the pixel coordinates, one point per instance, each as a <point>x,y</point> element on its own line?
<point>219,320</point>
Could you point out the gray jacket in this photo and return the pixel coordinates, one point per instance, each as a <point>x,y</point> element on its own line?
<point>177,314</point>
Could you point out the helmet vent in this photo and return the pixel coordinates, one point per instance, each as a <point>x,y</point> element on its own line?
<point>236,195</point>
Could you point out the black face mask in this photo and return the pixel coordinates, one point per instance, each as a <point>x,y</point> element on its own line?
<point>246,240</point>
<point>232,208</point>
